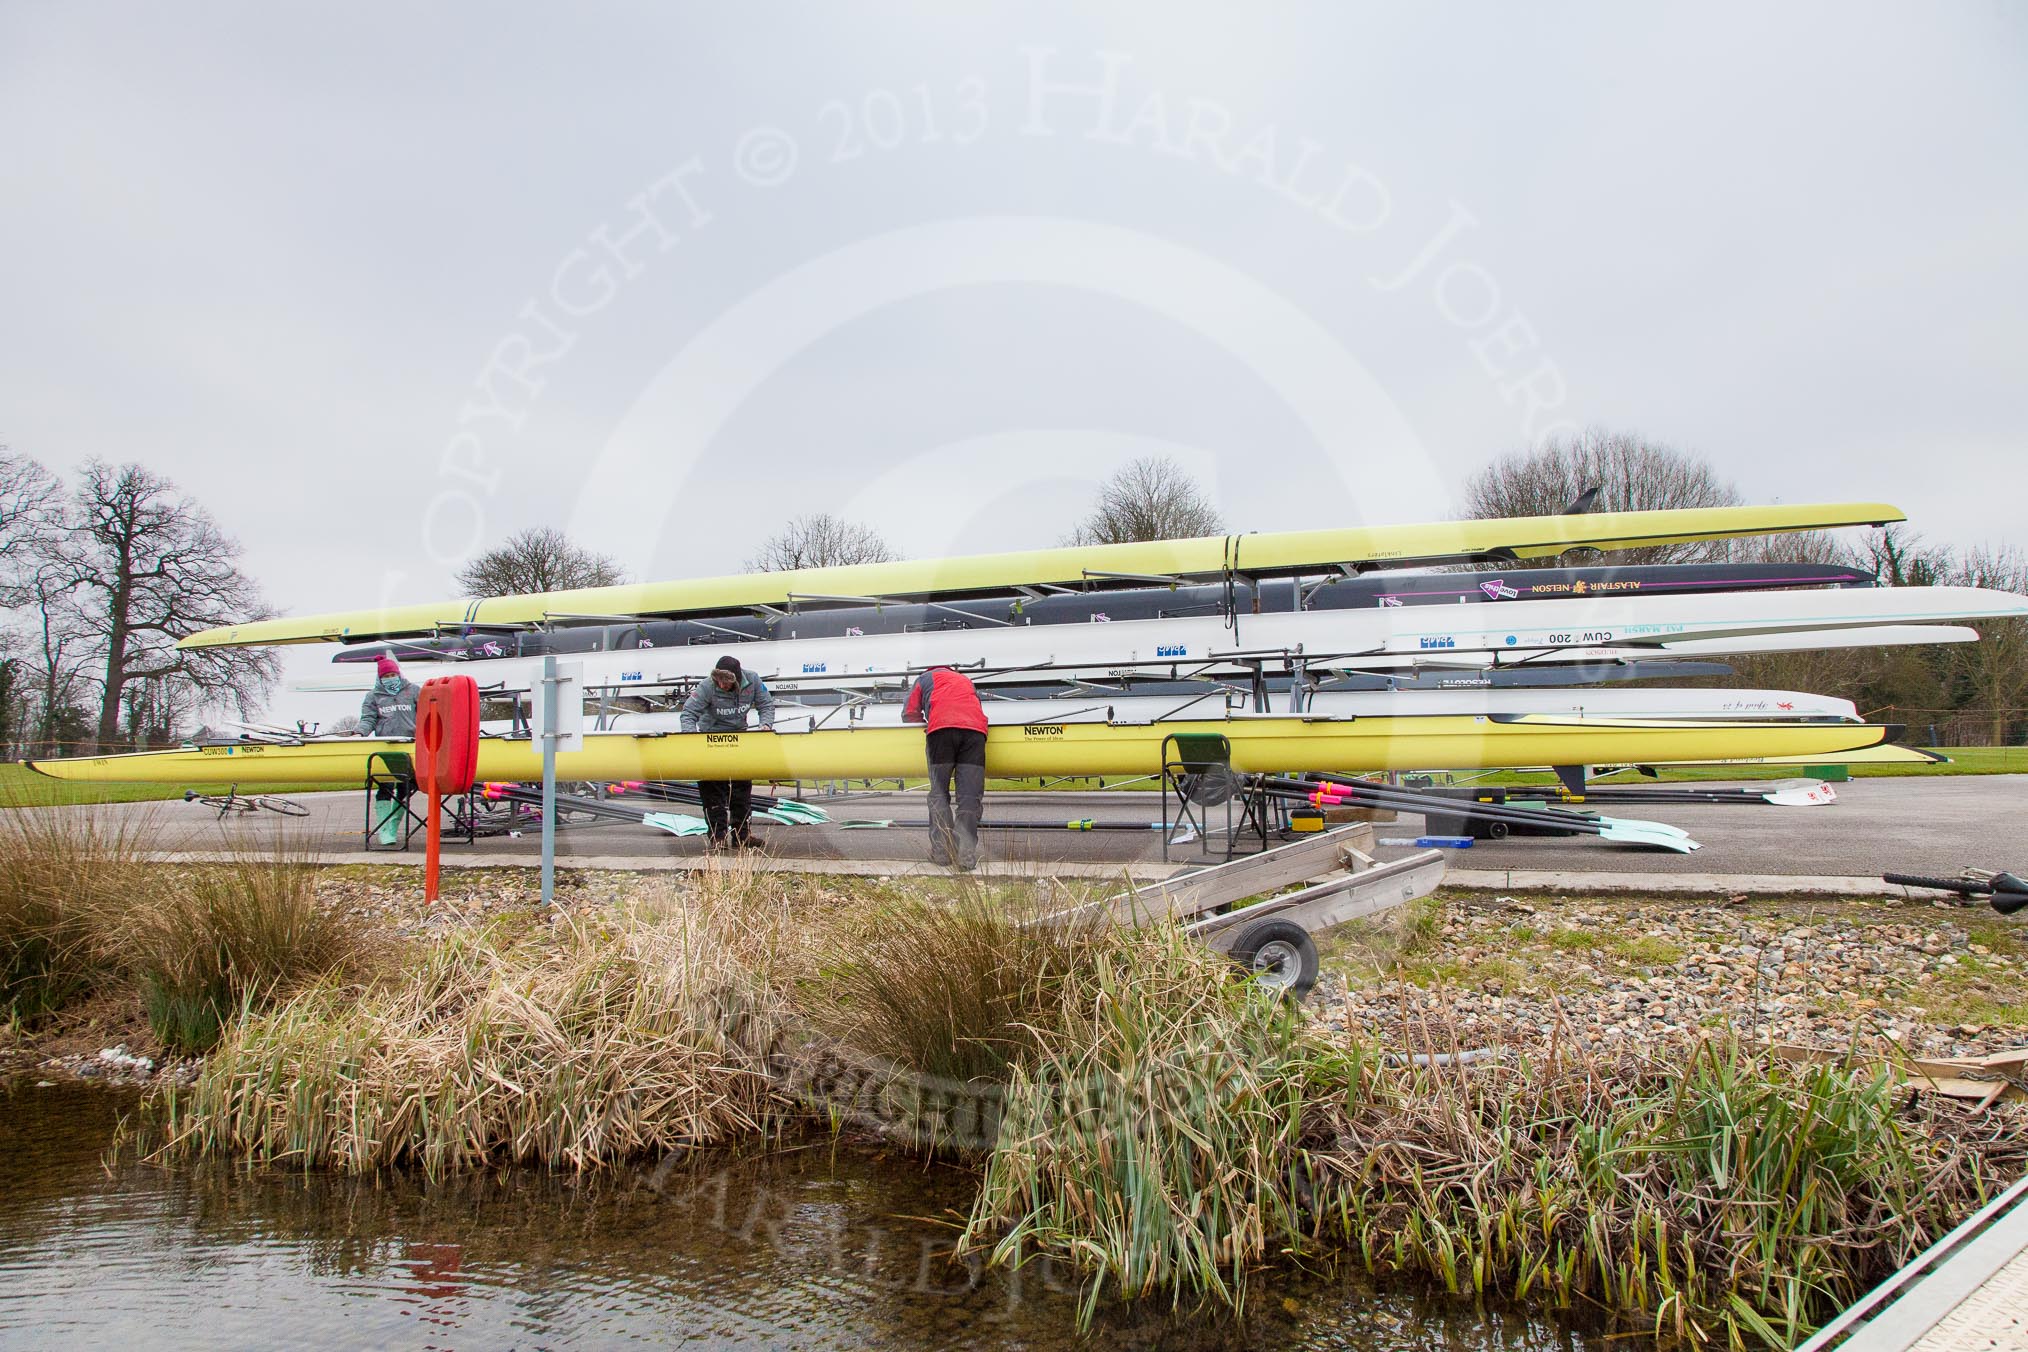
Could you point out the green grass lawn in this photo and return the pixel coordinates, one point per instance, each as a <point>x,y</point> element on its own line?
<point>1964,760</point>
<point>22,787</point>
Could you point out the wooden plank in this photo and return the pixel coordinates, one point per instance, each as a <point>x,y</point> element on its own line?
<point>1938,1077</point>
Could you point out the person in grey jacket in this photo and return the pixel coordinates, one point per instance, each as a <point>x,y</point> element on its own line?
<point>721,704</point>
<point>389,708</point>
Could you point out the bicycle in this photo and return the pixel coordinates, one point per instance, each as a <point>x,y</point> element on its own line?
<point>232,801</point>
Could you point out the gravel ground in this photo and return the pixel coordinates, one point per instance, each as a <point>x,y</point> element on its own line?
<point>1937,980</point>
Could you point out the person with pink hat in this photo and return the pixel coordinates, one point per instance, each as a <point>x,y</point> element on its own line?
<point>389,708</point>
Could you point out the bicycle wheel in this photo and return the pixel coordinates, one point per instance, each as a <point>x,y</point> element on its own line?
<point>284,806</point>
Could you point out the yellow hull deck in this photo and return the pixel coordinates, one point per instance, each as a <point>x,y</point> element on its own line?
<point>1267,743</point>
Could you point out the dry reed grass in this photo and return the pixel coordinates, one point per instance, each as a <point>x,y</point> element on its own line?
<point>61,874</point>
<point>649,1033</point>
<point>210,941</point>
<point>1167,1128</point>
<point>1155,1139</point>
<point>1175,1133</point>
<point>1727,1198</point>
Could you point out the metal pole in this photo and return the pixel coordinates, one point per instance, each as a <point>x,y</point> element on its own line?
<point>548,736</point>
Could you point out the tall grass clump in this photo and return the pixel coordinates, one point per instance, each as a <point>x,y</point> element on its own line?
<point>648,1033</point>
<point>1155,1138</point>
<point>213,939</point>
<point>954,988</point>
<point>59,872</point>
<point>1731,1199</point>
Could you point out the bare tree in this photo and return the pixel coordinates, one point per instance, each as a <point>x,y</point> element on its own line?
<point>31,507</point>
<point>1901,558</point>
<point>538,559</point>
<point>1630,473</point>
<point>820,541</point>
<point>1993,672</point>
<point>59,664</point>
<point>136,567</point>
<point>1149,499</point>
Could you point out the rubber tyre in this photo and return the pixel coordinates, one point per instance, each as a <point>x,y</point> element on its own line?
<point>1280,955</point>
<point>1496,830</point>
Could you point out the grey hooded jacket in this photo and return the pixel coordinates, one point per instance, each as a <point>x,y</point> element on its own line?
<point>389,708</point>
<point>710,709</point>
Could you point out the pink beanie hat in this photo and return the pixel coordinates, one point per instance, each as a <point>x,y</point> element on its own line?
<point>387,666</point>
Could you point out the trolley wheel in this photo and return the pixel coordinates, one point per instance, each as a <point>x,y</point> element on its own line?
<point>1279,954</point>
<point>1496,830</point>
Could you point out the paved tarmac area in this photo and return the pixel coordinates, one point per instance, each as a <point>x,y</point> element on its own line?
<point>1916,825</point>
<point>1931,824</point>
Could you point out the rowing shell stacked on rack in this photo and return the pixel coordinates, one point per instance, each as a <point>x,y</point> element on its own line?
<point>1308,651</point>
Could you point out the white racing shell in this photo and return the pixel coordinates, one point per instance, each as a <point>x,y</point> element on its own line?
<point>1214,701</point>
<point>1469,636</point>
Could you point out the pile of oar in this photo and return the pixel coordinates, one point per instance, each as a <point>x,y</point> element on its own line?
<point>787,811</point>
<point>1321,792</point>
<point>784,811</point>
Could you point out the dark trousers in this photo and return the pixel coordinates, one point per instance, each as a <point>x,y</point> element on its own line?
<point>956,754</point>
<point>728,808</point>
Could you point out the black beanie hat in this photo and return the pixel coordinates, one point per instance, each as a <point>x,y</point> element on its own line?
<point>728,663</point>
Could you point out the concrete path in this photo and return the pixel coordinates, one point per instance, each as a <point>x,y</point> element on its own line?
<point>1917,825</point>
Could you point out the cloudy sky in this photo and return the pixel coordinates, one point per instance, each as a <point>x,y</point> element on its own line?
<point>381,287</point>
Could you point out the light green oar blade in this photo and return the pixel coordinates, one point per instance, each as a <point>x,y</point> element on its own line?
<point>676,823</point>
<point>790,810</point>
<point>1646,833</point>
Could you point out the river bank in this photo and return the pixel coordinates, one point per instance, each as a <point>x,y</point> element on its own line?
<point>1931,978</point>
<point>1092,1082</point>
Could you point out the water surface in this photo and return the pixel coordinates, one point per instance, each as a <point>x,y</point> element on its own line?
<point>823,1247</point>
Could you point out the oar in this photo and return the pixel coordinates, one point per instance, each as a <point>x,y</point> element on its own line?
<point>1183,832</point>
<point>1441,803</point>
<point>1331,793</point>
<point>1657,834</point>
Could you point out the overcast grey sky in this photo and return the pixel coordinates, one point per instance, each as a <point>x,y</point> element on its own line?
<point>383,286</point>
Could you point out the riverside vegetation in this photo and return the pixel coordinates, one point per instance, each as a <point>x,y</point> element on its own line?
<point>1131,1107</point>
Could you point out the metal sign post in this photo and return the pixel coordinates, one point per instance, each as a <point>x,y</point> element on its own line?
<point>559,725</point>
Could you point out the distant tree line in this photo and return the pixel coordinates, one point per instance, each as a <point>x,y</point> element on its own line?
<point>99,578</point>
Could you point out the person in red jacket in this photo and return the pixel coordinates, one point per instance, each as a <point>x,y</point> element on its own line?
<point>948,707</point>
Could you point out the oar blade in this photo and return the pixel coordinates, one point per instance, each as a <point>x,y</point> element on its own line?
<point>1645,833</point>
